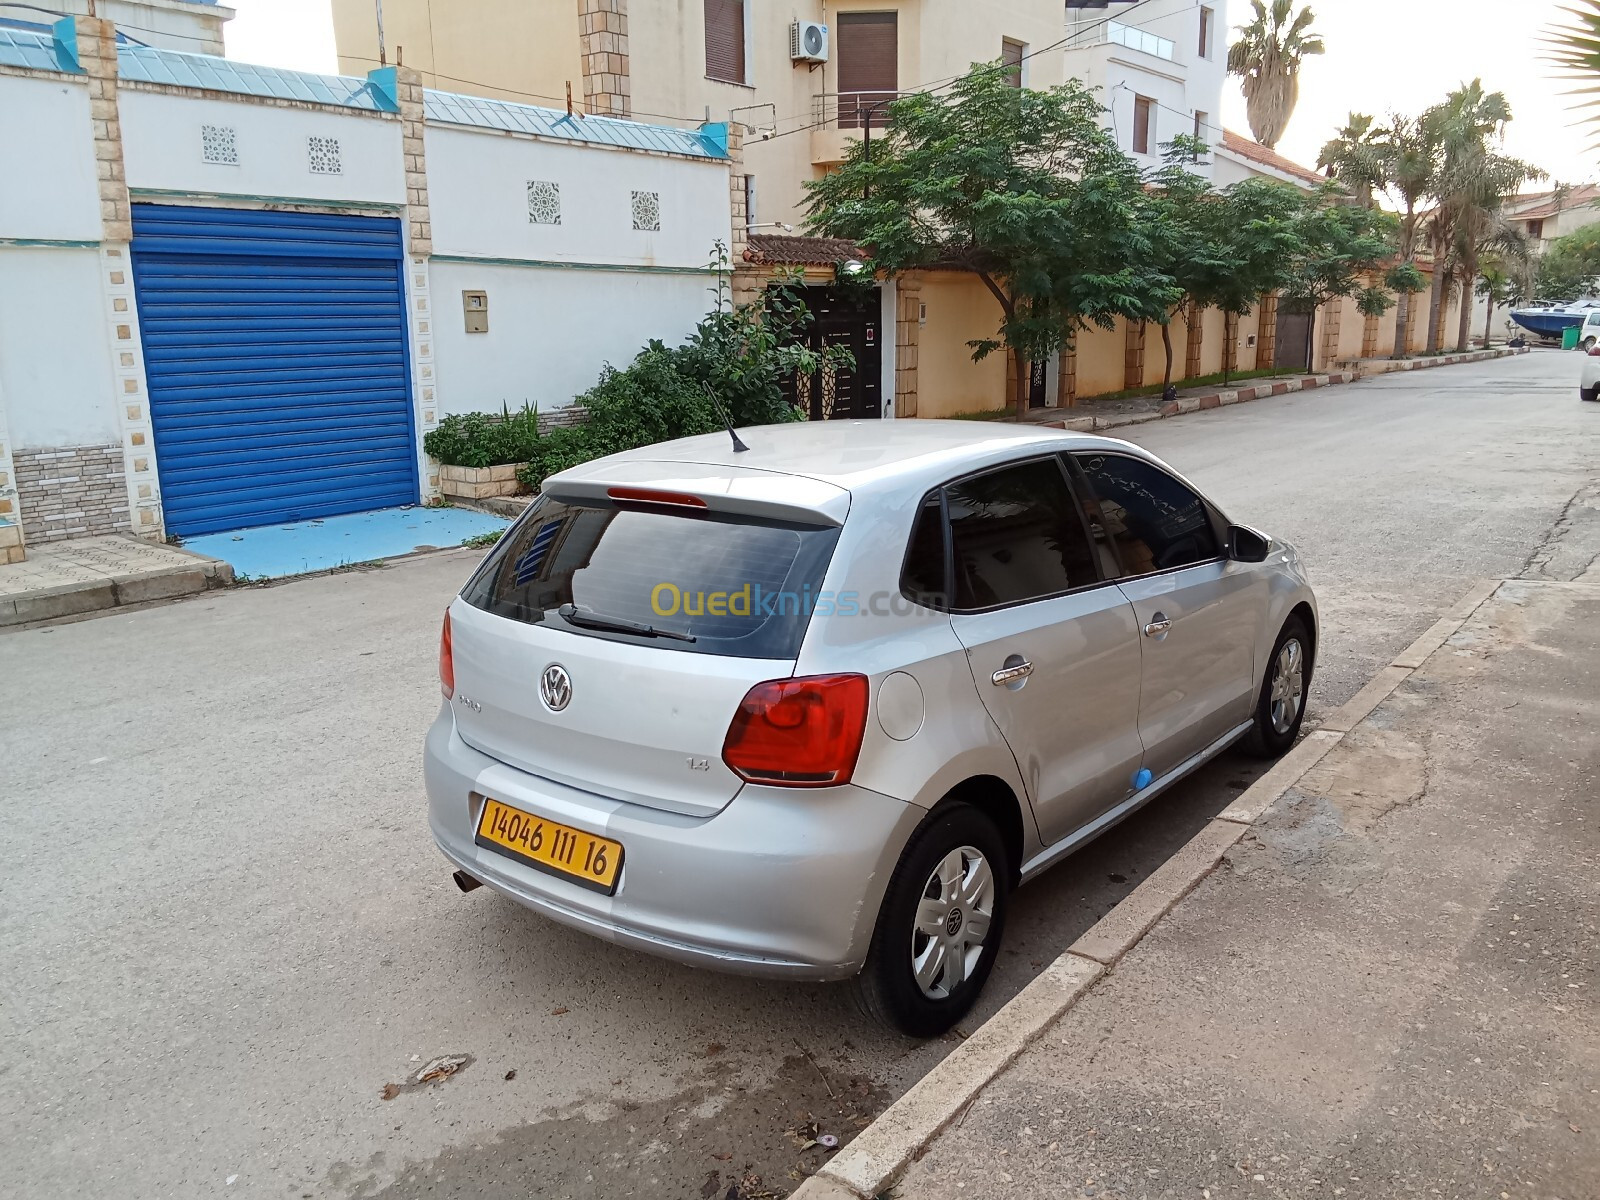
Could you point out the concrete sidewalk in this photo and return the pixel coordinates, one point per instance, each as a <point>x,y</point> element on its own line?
<point>1095,415</point>
<point>1387,987</point>
<point>83,575</point>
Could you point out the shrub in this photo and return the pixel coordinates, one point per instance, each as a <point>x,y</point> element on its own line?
<point>481,440</point>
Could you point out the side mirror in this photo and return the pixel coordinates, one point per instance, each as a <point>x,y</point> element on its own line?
<point>1247,545</point>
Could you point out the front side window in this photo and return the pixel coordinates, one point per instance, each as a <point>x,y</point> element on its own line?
<point>725,40</point>
<point>1155,522</point>
<point>702,583</point>
<point>1144,118</point>
<point>1015,536</point>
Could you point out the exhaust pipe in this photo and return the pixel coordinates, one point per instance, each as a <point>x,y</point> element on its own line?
<point>464,881</point>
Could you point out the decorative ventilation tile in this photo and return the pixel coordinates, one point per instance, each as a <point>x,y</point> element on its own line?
<point>647,210</point>
<point>544,202</point>
<point>219,144</point>
<point>324,155</point>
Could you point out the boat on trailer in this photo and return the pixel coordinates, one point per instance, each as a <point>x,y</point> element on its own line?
<point>1550,321</point>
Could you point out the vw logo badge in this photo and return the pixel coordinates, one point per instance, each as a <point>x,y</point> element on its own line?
<point>555,687</point>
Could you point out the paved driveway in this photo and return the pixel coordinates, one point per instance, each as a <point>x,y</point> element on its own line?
<point>224,929</point>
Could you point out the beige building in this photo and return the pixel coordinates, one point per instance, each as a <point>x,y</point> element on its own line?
<point>675,61</point>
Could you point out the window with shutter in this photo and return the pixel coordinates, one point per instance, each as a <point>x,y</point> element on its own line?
<point>1144,112</point>
<point>869,67</point>
<point>725,40</point>
<point>1207,19</point>
<point>1011,54</point>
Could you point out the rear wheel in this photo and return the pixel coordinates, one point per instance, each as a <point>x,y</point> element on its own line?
<point>1591,394</point>
<point>1281,706</point>
<point>1586,345</point>
<point>940,926</point>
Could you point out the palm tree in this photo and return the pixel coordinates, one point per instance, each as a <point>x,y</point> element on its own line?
<point>1411,157</point>
<point>1355,157</point>
<point>1486,240</point>
<point>1575,51</point>
<point>1469,170</point>
<point>1267,57</point>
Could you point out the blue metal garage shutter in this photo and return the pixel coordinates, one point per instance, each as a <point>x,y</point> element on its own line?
<point>275,348</point>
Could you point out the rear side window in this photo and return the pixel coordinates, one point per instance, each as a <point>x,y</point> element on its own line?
<point>1016,536</point>
<point>922,579</point>
<point>699,583</point>
<point>1157,523</point>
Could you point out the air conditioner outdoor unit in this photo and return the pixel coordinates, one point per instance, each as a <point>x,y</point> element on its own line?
<point>808,42</point>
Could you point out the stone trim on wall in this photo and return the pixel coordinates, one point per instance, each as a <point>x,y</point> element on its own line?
<point>1267,334</point>
<point>132,394</point>
<point>73,491</point>
<point>603,52</point>
<point>907,340</point>
<point>97,53</point>
<point>1133,355</point>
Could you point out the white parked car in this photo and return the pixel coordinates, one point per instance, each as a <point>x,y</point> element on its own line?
<point>814,709</point>
<point>1589,383</point>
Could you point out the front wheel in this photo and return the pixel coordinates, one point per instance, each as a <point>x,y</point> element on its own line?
<point>1281,706</point>
<point>1591,394</point>
<point>1586,345</point>
<point>940,926</point>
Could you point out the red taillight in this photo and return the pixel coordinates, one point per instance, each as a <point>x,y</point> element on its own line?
<point>802,732</point>
<point>447,662</point>
<point>633,495</point>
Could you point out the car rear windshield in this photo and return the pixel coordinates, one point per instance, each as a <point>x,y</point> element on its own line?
<point>704,583</point>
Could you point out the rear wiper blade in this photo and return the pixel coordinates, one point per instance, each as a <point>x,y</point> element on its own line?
<point>572,616</point>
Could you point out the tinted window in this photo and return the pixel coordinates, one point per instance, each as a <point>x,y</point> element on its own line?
<point>1156,522</point>
<point>737,586</point>
<point>1015,536</point>
<point>922,578</point>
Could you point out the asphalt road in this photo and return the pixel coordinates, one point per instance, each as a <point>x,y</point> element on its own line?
<point>224,929</point>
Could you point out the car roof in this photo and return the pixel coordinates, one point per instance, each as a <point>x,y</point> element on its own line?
<point>856,454</point>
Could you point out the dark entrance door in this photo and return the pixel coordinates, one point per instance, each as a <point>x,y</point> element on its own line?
<point>851,320</point>
<point>1038,380</point>
<point>1294,340</point>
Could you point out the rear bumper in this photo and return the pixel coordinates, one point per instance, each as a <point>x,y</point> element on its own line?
<point>781,882</point>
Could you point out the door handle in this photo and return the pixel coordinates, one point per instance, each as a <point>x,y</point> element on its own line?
<point>1011,674</point>
<point>1159,626</point>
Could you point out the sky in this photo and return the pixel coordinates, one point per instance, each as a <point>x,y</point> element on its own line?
<point>1383,55</point>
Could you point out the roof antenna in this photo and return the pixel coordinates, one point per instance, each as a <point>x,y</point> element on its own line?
<point>738,446</point>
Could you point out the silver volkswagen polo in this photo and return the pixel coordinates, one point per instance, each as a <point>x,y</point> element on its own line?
<point>815,708</point>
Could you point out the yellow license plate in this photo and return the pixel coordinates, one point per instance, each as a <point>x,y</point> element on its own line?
<point>550,846</point>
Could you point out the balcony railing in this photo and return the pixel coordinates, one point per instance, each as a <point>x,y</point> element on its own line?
<point>852,110</point>
<point>1103,33</point>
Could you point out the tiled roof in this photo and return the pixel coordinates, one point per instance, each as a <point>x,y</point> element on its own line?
<point>35,51</point>
<point>152,65</point>
<point>781,250</point>
<point>1245,147</point>
<point>451,108</point>
<point>1543,204</point>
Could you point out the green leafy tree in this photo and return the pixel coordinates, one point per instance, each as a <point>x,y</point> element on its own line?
<point>1342,245</point>
<point>1219,249</point>
<point>1023,188</point>
<point>1267,56</point>
<point>1570,268</point>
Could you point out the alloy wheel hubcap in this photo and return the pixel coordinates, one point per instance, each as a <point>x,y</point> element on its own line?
<point>1288,686</point>
<point>952,922</point>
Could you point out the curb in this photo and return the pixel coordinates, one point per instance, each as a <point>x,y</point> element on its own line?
<point>904,1130</point>
<point>1262,391</point>
<point>117,591</point>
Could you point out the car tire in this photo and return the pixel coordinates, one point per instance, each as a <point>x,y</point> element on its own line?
<point>1589,394</point>
<point>1287,679</point>
<point>925,968</point>
<point>1586,345</point>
